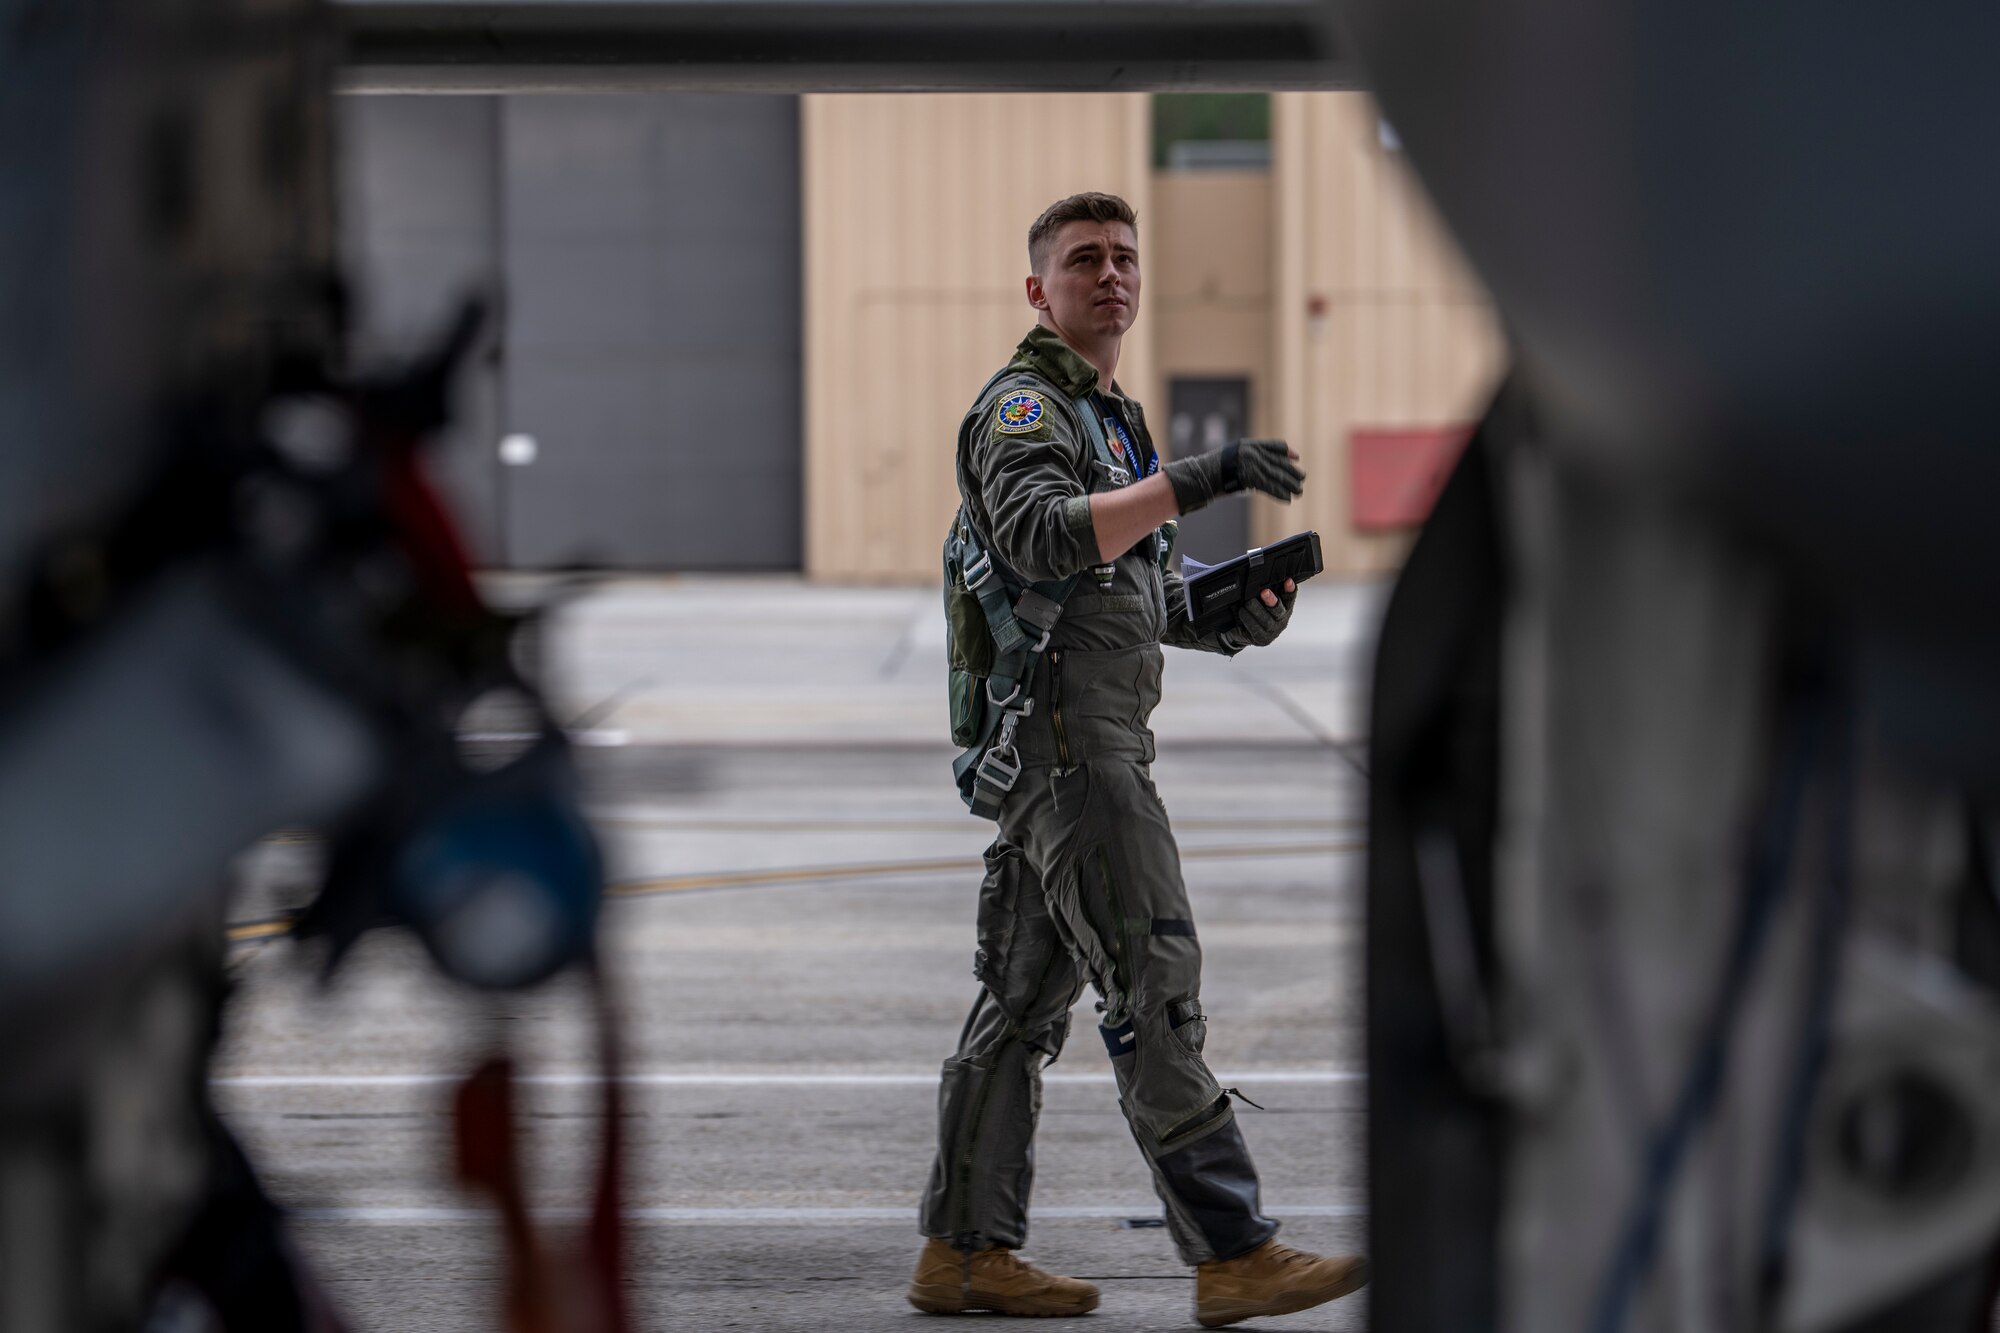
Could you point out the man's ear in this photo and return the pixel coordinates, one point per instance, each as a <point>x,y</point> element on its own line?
<point>1036,296</point>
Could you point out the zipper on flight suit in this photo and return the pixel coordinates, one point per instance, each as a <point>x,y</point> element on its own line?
<point>1201,1119</point>
<point>1055,712</point>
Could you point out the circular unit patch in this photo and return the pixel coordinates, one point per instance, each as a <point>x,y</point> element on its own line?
<point>1019,413</point>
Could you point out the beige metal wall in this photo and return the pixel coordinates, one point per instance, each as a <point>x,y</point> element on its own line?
<point>1206,258</point>
<point>1407,337</point>
<point>916,221</point>
<point>916,216</point>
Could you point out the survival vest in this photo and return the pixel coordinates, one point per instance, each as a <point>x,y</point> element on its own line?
<point>997,624</point>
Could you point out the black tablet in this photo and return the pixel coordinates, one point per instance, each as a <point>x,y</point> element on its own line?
<point>1215,591</point>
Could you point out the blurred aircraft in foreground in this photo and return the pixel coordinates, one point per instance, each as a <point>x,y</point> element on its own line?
<point>1683,929</point>
<point>229,603</point>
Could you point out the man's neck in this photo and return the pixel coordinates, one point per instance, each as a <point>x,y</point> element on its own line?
<point>1101,354</point>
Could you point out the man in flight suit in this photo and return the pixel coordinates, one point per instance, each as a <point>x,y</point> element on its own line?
<point>1083,883</point>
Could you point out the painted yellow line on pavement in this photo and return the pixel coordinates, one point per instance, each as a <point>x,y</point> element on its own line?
<point>939,866</point>
<point>952,865</point>
<point>260,930</point>
<point>790,875</point>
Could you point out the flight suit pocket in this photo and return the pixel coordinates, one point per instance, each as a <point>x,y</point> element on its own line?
<point>969,657</point>
<point>1083,889</point>
<point>968,699</point>
<point>999,911</point>
<point>1188,1024</point>
<point>1145,693</point>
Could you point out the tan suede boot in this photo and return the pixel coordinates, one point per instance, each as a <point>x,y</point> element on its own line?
<point>1272,1279</point>
<point>952,1281</point>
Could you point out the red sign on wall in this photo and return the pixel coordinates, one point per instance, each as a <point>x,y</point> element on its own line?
<point>1398,472</point>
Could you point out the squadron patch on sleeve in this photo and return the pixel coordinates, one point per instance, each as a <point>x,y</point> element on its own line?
<point>1020,413</point>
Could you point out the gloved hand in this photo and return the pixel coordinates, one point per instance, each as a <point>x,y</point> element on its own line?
<point>1269,466</point>
<point>1257,625</point>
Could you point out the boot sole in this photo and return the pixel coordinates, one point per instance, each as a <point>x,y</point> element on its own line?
<point>1237,1311</point>
<point>952,1300</point>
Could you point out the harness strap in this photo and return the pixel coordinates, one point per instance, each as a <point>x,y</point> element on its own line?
<point>988,769</point>
<point>1099,441</point>
<point>1021,616</point>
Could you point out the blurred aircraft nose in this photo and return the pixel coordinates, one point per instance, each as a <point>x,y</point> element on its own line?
<point>1747,251</point>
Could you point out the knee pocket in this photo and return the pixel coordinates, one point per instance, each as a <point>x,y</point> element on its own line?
<point>1164,1085</point>
<point>999,906</point>
<point>1021,959</point>
<point>1118,889</point>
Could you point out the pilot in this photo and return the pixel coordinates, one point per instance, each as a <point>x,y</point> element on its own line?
<point>1083,883</point>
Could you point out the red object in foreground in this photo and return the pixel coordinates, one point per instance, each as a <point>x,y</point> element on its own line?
<point>563,1284</point>
<point>1397,473</point>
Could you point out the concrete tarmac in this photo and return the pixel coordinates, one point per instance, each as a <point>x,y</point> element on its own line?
<point>790,937</point>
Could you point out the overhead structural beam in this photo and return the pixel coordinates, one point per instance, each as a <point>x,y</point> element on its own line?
<point>505,46</point>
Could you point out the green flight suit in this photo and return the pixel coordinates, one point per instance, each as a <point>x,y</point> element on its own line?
<point>1083,883</point>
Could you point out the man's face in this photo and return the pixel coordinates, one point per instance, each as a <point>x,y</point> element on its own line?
<point>1090,282</point>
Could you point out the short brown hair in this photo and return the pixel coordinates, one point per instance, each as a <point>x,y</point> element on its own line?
<point>1089,206</point>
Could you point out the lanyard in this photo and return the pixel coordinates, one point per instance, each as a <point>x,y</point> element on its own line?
<point>1122,444</point>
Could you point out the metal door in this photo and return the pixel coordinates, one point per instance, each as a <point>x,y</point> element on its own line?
<point>653,326</point>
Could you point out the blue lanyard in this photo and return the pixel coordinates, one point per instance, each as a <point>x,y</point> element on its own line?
<point>1114,430</point>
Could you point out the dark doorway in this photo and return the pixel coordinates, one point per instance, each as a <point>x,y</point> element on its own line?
<point>1206,414</point>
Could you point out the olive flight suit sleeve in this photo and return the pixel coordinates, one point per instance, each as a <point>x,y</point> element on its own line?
<point>1035,494</point>
<point>1180,632</point>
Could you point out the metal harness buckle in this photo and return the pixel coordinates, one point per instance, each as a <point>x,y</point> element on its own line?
<point>979,571</point>
<point>1004,762</point>
<point>1000,766</point>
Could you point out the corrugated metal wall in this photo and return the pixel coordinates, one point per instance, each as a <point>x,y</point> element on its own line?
<point>1207,293</point>
<point>653,339</point>
<point>647,249</point>
<point>916,214</point>
<point>1407,337</point>
<point>421,228</point>
<point>916,221</point>
<point>1206,257</point>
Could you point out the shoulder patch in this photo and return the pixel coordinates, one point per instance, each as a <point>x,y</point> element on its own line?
<point>1020,412</point>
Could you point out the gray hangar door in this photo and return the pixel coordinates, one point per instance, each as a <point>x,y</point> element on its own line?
<point>651,250</point>
<point>420,231</point>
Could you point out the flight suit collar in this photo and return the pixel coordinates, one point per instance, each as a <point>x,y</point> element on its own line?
<point>1044,352</point>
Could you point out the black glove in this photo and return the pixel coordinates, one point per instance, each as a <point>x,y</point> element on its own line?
<point>1253,465</point>
<point>1257,625</point>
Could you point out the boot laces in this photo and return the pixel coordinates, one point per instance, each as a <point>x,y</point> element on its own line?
<point>1285,1254</point>
<point>1014,1265</point>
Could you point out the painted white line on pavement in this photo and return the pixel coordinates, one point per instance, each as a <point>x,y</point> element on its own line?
<point>927,1078</point>
<point>600,736</point>
<point>726,1216</point>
